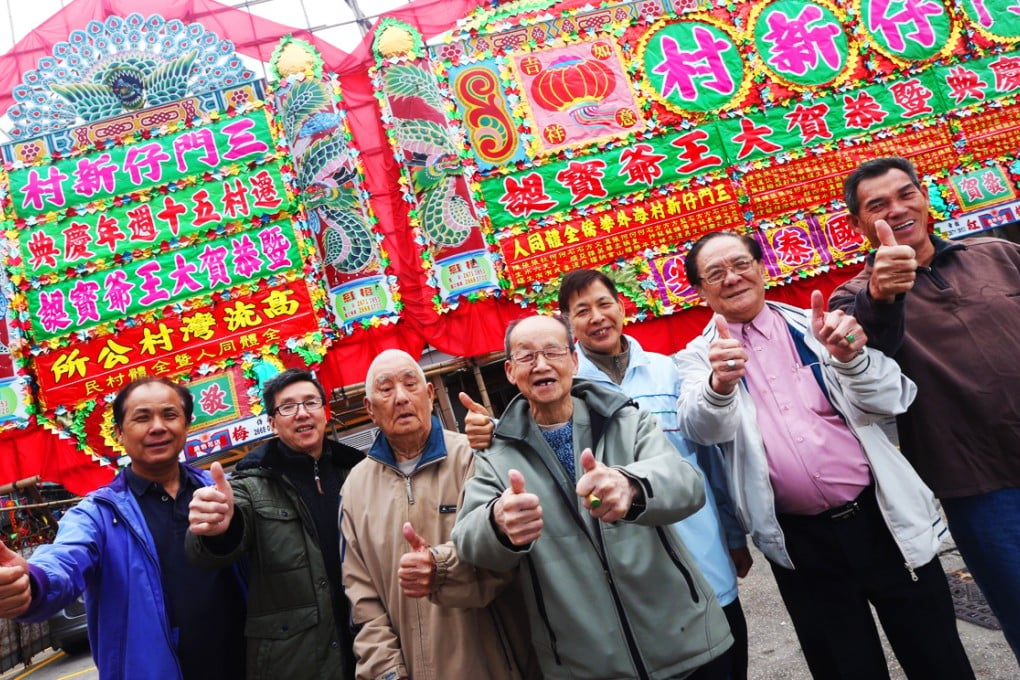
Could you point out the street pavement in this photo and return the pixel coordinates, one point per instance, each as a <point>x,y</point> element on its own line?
<point>774,652</point>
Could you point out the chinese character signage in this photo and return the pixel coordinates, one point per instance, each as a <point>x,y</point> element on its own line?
<point>613,137</point>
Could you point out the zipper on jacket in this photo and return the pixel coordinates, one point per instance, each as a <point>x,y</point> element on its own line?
<point>407,490</point>
<point>678,563</point>
<point>910,570</point>
<point>540,603</point>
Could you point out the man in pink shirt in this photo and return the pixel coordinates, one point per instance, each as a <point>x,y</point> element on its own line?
<point>796,402</point>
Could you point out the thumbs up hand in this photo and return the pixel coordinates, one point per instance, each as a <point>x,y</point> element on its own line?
<point>606,491</point>
<point>416,570</point>
<point>15,586</point>
<point>842,336</point>
<point>728,358</point>
<point>478,426</point>
<point>517,513</point>
<point>212,507</point>
<point>895,267</point>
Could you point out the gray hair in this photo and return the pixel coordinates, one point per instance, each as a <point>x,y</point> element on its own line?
<point>383,356</point>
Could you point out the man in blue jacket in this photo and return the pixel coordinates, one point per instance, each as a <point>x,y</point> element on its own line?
<point>151,614</point>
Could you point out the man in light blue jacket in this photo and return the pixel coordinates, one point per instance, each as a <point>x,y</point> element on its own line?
<point>151,615</point>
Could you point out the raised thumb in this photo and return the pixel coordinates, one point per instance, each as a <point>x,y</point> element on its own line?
<point>884,233</point>
<point>7,556</point>
<point>220,479</point>
<point>587,460</point>
<point>411,536</point>
<point>722,326</point>
<point>472,405</point>
<point>516,481</point>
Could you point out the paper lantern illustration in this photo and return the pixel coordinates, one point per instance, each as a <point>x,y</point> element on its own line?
<point>576,86</point>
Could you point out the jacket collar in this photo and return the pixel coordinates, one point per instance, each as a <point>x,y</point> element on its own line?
<point>602,402</point>
<point>942,246</point>
<point>435,447</point>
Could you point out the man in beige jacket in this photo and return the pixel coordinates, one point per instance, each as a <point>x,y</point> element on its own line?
<point>397,510</point>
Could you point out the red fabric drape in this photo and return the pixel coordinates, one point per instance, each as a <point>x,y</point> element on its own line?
<point>38,451</point>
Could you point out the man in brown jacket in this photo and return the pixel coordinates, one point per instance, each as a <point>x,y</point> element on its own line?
<point>397,510</point>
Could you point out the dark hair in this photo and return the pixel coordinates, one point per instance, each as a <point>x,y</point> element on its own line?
<point>278,382</point>
<point>691,262</point>
<point>183,393</point>
<point>513,324</point>
<point>579,280</point>
<point>876,167</point>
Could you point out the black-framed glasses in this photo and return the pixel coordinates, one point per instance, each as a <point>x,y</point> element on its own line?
<point>531,356</point>
<point>291,408</point>
<point>740,266</point>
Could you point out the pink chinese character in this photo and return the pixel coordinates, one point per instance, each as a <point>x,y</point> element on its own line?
<point>810,120</point>
<point>992,183</point>
<point>213,399</point>
<point>145,162</point>
<point>214,263</point>
<point>971,188</point>
<point>275,246</point>
<point>246,258</point>
<point>52,314</point>
<point>792,246</point>
<point>182,275</point>
<point>40,189</point>
<point>583,179</point>
<point>77,241</point>
<point>152,283</point>
<point>912,96</point>
<point>641,164</point>
<point>242,142</point>
<point>694,152</point>
<point>752,137</point>
<point>84,297</point>
<point>862,111</point>
<point>892,26</point>
<point>797,45</point>
<point>118,291</point>
<point>95,175</point>
<point>527,196</point>
<point>196,140</point>
<point>685,71</point>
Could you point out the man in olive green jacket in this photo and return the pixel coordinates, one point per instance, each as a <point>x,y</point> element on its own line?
<point>280,509</point>
<point>578,492</point>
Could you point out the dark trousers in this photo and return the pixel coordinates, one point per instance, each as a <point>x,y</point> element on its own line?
<point>738,652</point>
<point>844,564</point>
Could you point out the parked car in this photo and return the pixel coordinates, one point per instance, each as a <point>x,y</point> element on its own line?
<point>68,628</point>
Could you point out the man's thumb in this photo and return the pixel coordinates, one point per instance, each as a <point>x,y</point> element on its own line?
<point>587,460</point>
<point>7,556</point>
<point>516,481</point>
<point>220,479</point>
<point>817,305</point>
<point>722,327</point>
<point>884,233</point>
<point>411,536</point>
<point>472,405</point>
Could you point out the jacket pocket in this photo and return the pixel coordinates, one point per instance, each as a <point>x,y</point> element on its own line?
<point>281,536</point>
<point>677,562</point>
<point>278,640</point>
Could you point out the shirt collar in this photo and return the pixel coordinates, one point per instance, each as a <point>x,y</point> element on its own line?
<point>140,485</point>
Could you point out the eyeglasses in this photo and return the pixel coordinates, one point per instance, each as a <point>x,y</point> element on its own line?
<point>552,354</point>
<point>291,408</point>
<point>717,275</point>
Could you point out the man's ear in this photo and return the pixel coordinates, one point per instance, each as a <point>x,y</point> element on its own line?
<point>855,224</point>
<point>368,408</point>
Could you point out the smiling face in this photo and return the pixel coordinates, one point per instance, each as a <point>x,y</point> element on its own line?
<point>304,431</point>
<point>400,399</point>
<point>596,317</point>
<point>738,297</point>
<point>544,383</point>
<point>894,198</point>
<point>154,429</point>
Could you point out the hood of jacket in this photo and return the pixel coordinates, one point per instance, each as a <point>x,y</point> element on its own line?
<point>435,447</point>
<point>268,456</point>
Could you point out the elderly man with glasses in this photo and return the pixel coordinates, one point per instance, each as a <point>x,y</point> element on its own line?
<point>280,510</point>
